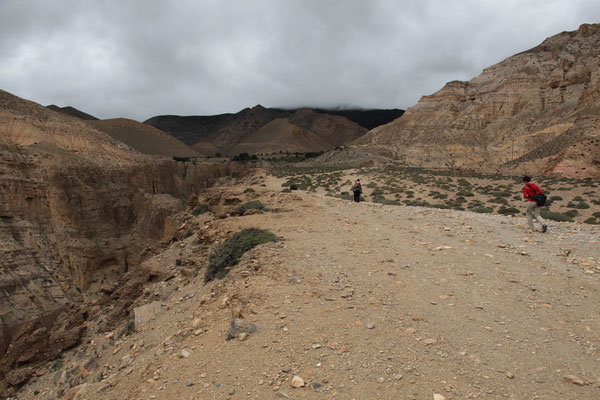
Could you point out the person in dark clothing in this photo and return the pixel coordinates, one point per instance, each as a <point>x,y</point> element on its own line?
<point>357,189</point>
<point>532,210</point>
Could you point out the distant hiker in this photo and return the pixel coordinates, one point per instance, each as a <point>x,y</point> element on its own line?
<point>535,200</point>
<point>357,189</point>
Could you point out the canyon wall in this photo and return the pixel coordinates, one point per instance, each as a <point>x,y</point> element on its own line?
<point>78,211</point>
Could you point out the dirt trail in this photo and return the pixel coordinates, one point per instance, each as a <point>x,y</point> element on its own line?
<point>365,301</point>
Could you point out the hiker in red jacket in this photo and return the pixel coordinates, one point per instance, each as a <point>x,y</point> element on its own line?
<point>529,190</point>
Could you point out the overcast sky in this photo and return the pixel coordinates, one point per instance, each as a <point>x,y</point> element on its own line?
<point>141,58</point>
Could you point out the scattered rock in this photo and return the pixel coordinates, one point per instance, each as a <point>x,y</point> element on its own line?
<point>238,326</point>
<point>510,375</point>
<point>429,341</point>
<point>185,353</point>
<point>297,382</point>
<point>574,380</point>
<point>438,397</point>
<point>316,385</point>
<point>370,325</point>
<point>146,312</point>
<point>190,382</point>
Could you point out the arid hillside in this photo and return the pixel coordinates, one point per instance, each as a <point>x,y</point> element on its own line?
<point>73,112</point>
<point>539,108</point>
<point>143,138</point>
<point>226,133</point>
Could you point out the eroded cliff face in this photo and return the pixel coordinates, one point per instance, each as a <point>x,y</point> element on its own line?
<point>78,212</point>
<point>531,107</point>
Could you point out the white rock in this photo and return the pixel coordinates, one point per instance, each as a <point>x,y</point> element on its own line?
<point>297,382</point>
<point>185,353</point>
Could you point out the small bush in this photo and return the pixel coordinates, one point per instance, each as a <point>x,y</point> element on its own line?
<point>592,221</point>
<point>508,211</point>
<point>596,214</point>
<point>293,187</point>
<point>555,198</point>
<point>482,210</point>
<point>498,200</point>
<point>251,205</point>
<point>201,209</point>
<point>581,205</point>
<point>286,190</point>
<point>555,216</point>
<point>229,253</point>
<point>249,190</point>
<point>572,213</point>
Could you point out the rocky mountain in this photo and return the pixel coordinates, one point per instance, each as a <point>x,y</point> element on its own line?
<point>73,112</point>
<point>540,108</point>
<point>143,138</point>
<point>227,133</point>
<point>79,212</point>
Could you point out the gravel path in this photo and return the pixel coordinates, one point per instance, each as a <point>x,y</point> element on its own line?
<point>364,301</point>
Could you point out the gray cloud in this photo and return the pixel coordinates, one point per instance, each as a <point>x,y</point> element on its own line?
<point>142,58</point>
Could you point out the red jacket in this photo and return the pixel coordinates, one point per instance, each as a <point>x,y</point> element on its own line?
<point>528,191</point>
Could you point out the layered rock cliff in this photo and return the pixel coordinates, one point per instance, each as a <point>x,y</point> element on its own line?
<point>535,108</point>
<point>78,211</point>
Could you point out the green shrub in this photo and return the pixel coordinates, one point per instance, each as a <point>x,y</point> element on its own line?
<point>286,190</point>
<point>572,213</point>
<point>181,159</point>
<point>555,198</point>
<point>229,253</point>
<point>482,210</point>
<point>249,190</point>
<point>251,205</point>
<point>578,198</point>
<point>592,221</point>
<point>555,216</point>
<point>508,210</point>
<point>465,193</point>
<point>201,209</point>
<point>498,200</point>
<point>581,205</point>
<point>596,214</point>
<point>383,200</point>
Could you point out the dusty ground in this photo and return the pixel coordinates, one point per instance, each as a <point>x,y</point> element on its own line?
<point>362,301</point>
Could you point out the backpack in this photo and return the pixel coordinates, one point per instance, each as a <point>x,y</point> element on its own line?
<point>357,187</point>
<point>540,198</point>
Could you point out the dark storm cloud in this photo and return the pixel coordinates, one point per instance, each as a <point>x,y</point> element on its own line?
<point>142,58</point>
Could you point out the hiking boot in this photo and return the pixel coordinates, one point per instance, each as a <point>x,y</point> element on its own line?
<point>544,228</point>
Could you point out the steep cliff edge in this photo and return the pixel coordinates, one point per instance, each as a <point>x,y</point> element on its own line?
<point>535,107</point>
<point>78,211</point>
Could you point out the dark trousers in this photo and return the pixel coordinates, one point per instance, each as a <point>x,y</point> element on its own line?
<point>357,196</point>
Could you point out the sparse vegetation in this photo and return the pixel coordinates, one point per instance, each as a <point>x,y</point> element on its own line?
<point>402,185</point>
<point>251,205</point>
<point>201,209</point>
<point>555,216</point>
<point>229,253</point>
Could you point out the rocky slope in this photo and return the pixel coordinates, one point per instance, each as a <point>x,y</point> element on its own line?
<point>79,211</point>
<point>539,107</point>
